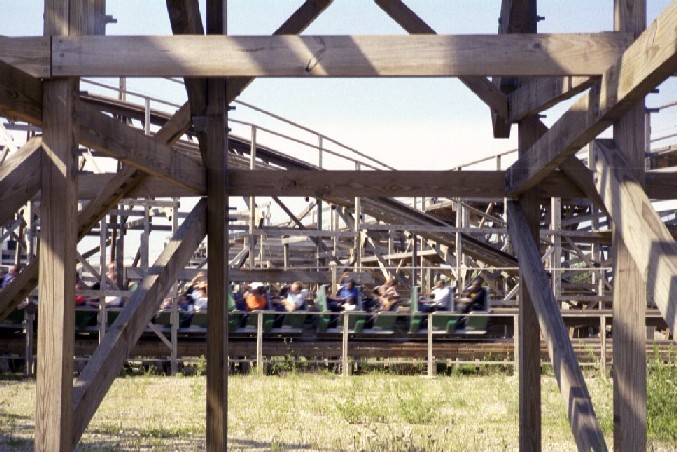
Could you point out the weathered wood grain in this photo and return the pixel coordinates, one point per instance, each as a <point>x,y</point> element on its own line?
<point>337,56</point>
<point>105,363</point>
<point>648,240</point>
<point>20,178</point>
<point>646,63</point>
<point>132,146</point>
<point>29,54</point>
<point>20,95</point>
<point>575,396</point>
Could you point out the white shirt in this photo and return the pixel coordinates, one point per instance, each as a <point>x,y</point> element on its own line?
<point>298,299</point>
<point>442,297</point>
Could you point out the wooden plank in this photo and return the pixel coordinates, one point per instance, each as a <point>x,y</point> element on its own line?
<point>111,193</point>
<point>516,16</point>
<point>56,268</point>
<point>29,54</point>
<point>185,19</point>
<point>20,178</point>
<point>648,240</point>
<point>20,95</point>
<point>646,63</point>
<point>528,330</point>
<point>337,56</point>
<point>660,185</point>
<point>294,25</point>
<point>215,146</point>
<point>241,184</point>
<point>177,125</point>
<point>539,94</point>
<point>104,365</point>
<point>116,139</point>
<point>114,189</point>
<point>575,397</point>
<point>582,177</point>
<point>413,24</point>
<point>630,286</point>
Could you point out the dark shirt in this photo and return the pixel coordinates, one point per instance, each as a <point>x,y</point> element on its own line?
<point>345,293</point>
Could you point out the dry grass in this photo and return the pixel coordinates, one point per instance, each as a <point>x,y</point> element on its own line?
<point>313,412</point>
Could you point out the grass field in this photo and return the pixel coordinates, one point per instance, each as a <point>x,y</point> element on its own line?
<point>318,411</point>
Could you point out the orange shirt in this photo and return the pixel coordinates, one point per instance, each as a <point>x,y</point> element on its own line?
<point>256,302</point>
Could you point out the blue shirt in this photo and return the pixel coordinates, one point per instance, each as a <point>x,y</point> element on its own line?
<point>344,293</point>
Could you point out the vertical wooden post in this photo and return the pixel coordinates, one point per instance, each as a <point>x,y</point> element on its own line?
<point>556,256</point>
<point>252,200</point>
<point>460,274</point>
<point>175,320</point>
<point>602,346</point>
<point>217,248</point>
<point>529,329</point>
<point>345,371</point>
<point>432,367</point>
<point>58,238</point>
<point>259,342</point>
<point>318,249</point>
<point>145,239</point>
<point>629,295</point>
<point>103,236</point>
<point>358,225</point>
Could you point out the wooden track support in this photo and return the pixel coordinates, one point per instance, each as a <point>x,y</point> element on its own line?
<point>577,403</point>
<point>629,296</point>
<point>648,240</point>
<point>338,56</point>
<point>118,186</point>
<point>20,178</point>
<point>104,365</point>
<point>644,65</point>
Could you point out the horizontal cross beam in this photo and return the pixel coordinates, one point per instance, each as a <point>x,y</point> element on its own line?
<point>337,56</point>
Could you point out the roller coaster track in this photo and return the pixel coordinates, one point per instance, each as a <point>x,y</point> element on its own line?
<point>383,209</point>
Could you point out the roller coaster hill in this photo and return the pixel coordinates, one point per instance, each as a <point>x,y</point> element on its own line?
<point>278,240</point>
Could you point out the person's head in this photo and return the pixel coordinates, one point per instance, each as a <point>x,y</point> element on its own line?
<point>111,271</point>
<point>296,287</point>
<point>350,284</point>
<point>261,290</point>
<point>440,284</point>
<point>477,282</point>
<point>12,270</point>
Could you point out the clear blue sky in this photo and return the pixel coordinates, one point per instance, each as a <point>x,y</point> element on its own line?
<point>410,123</point>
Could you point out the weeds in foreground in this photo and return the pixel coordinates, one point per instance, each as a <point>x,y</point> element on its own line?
<point>371,412</point>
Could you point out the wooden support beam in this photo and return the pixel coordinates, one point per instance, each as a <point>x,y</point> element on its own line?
<point>538,94</point>
<point>58,232</point>
<point>29,54</point>
<point>648,240</point>
<point>646,63</point>
<point>477,184</point>
<point>317,240</point>
<point>294,25</point>
<point>337,56</point>
<point>413,24</point>
<point>517,16</point>
<point>116,139</point>
<point>630,284</point>
<point>20,178</point>
<point>104,365</point>
<point>528,329</point>
<point>20,94</point>
<point>184,17</point>
<point>115,188</point>
<point>575,396</point>
<point>215,146</point>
